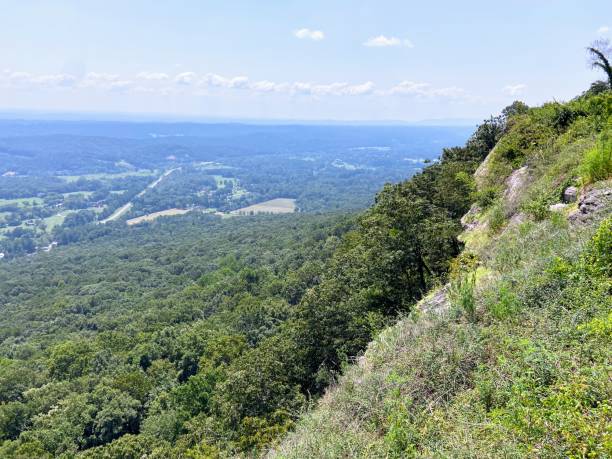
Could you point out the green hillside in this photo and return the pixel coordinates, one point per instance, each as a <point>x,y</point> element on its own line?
<point>511,357</point>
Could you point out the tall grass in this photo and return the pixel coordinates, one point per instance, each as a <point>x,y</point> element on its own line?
<point>597,162</point>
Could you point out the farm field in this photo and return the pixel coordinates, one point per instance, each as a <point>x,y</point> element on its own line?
<point>273,206</point>
<point>106,176</point>
<point>85,194</point>
<point>21,202</point>
<point>154,215</point>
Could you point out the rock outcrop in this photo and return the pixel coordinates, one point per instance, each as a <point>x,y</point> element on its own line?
<point>514,185</point>
<point>570,194</point>
<point>590,204</point>
<point>470,220</point>
<point>437,302</point>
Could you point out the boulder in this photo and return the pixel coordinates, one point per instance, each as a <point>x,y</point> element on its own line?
<point>590,204</point>
<point>570,194</point>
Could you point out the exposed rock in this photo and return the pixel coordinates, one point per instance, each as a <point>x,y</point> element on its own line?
<point>483,170</point>
<point>590,204</point>
<point>469,220</point>
<point>437,302</point>
<point>557,207</point>
<point>517,219</point>
<point>514,184</point>
<point>570,194</point>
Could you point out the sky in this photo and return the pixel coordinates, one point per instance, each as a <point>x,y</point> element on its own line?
<point>295,60</point>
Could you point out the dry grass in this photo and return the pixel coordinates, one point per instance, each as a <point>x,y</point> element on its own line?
<point>154,215</point>
<point>273,206</point>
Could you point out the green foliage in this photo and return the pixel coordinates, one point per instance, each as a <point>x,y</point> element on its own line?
<point>526,375</point>
<point>462,295</point>
<point>597,162</point>
<point>496,217</point>
<point>486,196</point>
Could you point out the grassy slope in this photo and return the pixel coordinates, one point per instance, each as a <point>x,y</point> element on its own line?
<point>518,364</point>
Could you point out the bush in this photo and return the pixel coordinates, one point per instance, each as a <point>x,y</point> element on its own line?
<point>497,218</point>
<point>597,162</point>
<point>487,196</point>
<point>462,295</point>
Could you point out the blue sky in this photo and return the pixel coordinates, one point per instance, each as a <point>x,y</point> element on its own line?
<point>333,59</point>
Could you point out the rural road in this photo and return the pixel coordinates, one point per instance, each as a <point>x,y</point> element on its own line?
<point>126,207</point>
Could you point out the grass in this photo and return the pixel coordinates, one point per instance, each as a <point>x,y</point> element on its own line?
<point>505,380</point>
<point>22,202</point>
<point>85,194</point>
<point>597,163</point>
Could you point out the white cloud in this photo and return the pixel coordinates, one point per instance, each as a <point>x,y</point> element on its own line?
<point>413,88</point>
<point>309,34</point>
<point>153,76</point>
<point>265,86</point>
<point>214,80</point>
<point>191,83</point>
<point>382,41</point>
<point>27,80</point>
<point>185,78</point>
<point>514,89</point>
<point>105,81</point>
<point>57,80</point>
<point>332,89</point>
<point>603,30</point>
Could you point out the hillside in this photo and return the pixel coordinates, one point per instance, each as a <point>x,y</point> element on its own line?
<point>198,337</point>
<point>510,358</point>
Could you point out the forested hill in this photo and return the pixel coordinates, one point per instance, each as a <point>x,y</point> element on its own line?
<point>207,339</point>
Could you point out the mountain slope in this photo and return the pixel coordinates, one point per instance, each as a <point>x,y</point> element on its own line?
<point>511,358</point>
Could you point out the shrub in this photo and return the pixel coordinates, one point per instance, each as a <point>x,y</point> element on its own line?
<point>537,208</point>
<point>497,218</point>
<point>507,304</point>
<point>462,295</point>
<point>487,196</point>
<point>597,162</point>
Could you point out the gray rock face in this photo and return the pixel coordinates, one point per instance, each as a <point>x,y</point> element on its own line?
<point>590,204</point>
<point>469,221</point>
<point>514,184</point>
<point>570,194</point>
<point>437,303</point>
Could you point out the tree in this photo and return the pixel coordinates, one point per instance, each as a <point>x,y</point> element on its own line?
<point>599,57</point>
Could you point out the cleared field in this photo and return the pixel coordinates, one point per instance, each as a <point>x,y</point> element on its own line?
<point>103,176</point>
<point>154,215</point>
<point>273,206</point>
<point>21,202</point>
<point>85,194</point>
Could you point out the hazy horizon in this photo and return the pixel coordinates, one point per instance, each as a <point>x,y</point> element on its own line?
<point>347,61</point>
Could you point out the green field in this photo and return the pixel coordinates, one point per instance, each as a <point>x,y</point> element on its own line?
<point>21,202</point>
<point>104,176</point>
<point>74,193</point>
